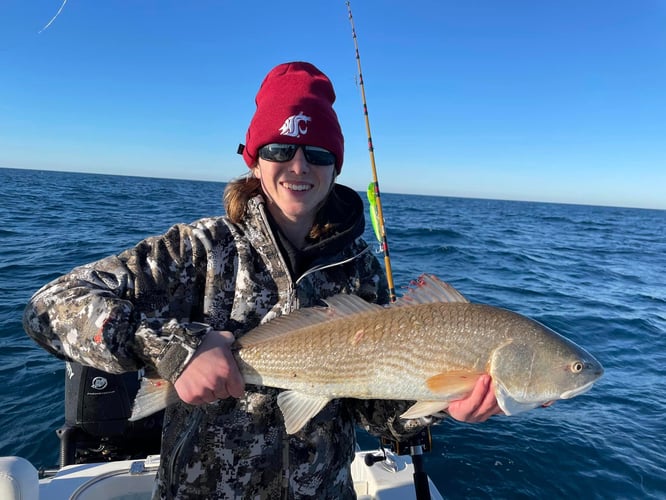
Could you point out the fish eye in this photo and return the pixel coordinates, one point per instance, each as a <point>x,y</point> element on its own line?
<point>577,366</point>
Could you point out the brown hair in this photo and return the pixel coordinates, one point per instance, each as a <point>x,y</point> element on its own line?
<point>238,193</point>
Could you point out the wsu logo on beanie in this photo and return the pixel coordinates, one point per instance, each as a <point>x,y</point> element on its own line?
<point>295,106</point>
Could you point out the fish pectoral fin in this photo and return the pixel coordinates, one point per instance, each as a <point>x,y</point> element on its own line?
<point>298,408</point>
<point>454,383</point>
<point>425,408</point>
<point>451,385</point>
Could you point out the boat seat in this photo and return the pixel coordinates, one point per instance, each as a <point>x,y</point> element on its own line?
<point>18,479</point>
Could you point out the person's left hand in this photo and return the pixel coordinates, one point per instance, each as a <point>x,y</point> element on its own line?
<point>212,373</point>
<point>479,406</point>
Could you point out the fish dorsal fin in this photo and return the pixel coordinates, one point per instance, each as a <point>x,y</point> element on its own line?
<point>428,289</point>
<point>345,304</point>
<point>339,306</point>
<point>298,408</point>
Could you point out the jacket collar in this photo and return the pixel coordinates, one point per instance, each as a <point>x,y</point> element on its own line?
<point>343,210</point>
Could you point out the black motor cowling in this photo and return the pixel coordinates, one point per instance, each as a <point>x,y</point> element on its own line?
<point>97,408</point>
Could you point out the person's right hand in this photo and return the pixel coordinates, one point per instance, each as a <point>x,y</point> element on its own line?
<point>212,373</point>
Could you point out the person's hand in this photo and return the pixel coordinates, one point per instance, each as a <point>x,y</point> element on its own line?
<point>212,373</point>
<point>479,406</point>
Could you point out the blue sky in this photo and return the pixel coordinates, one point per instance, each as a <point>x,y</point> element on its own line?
<point>561,101</point>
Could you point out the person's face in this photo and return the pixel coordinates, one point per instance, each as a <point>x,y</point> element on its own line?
<point>295,188</point>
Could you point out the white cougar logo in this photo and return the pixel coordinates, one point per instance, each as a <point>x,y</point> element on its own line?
<point>295,125</point>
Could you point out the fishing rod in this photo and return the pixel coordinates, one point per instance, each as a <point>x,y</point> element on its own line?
<point>374,197</point>
<point>423,440</point>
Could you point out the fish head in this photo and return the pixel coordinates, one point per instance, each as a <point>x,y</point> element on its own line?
<point>539,370</point>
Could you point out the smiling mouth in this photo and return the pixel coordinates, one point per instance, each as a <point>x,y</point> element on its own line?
<point>297,187</point>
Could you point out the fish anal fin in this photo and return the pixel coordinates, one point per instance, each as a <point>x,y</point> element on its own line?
<point>298,408</point>
<point>453,383</point>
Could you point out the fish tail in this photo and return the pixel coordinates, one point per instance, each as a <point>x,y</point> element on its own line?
<point>153,395</point>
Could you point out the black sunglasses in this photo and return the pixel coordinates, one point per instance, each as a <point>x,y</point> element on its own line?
<point>285,152</point>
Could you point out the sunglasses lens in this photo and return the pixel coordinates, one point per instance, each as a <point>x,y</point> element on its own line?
<point>318,156</point>
<point>278,152</point>
<point>285,152</point>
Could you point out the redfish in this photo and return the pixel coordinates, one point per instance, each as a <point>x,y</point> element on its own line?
<point>429,346</point>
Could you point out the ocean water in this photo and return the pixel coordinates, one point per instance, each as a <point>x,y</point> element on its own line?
<point>595,274</point>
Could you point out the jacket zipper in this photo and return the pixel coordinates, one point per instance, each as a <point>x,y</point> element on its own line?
<point>267,230</point>
<point>331,264</point>
<point>185,436</point>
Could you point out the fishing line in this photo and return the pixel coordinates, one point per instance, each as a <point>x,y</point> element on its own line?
<point>374,198</point>
<point>53,18</point>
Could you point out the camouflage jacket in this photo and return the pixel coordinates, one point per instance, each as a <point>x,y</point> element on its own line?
<point>150,306</point>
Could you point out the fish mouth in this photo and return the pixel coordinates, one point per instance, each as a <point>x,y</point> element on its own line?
<point>579,390</point>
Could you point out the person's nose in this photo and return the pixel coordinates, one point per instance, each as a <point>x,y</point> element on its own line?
<point>299,165</point>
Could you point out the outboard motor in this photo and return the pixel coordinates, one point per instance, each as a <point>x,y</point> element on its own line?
<point>97,408</point>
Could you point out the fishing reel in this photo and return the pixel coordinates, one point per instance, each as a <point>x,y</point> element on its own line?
<point>417,444</point>
<point>407,446</point>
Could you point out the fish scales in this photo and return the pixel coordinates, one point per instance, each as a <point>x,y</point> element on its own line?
<point>333,354</point>
<point>364,355</point>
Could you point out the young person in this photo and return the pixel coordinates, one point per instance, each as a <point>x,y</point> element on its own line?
<point>174,303</point>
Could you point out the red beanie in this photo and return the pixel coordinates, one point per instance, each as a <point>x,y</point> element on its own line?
<point>295,106</point>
